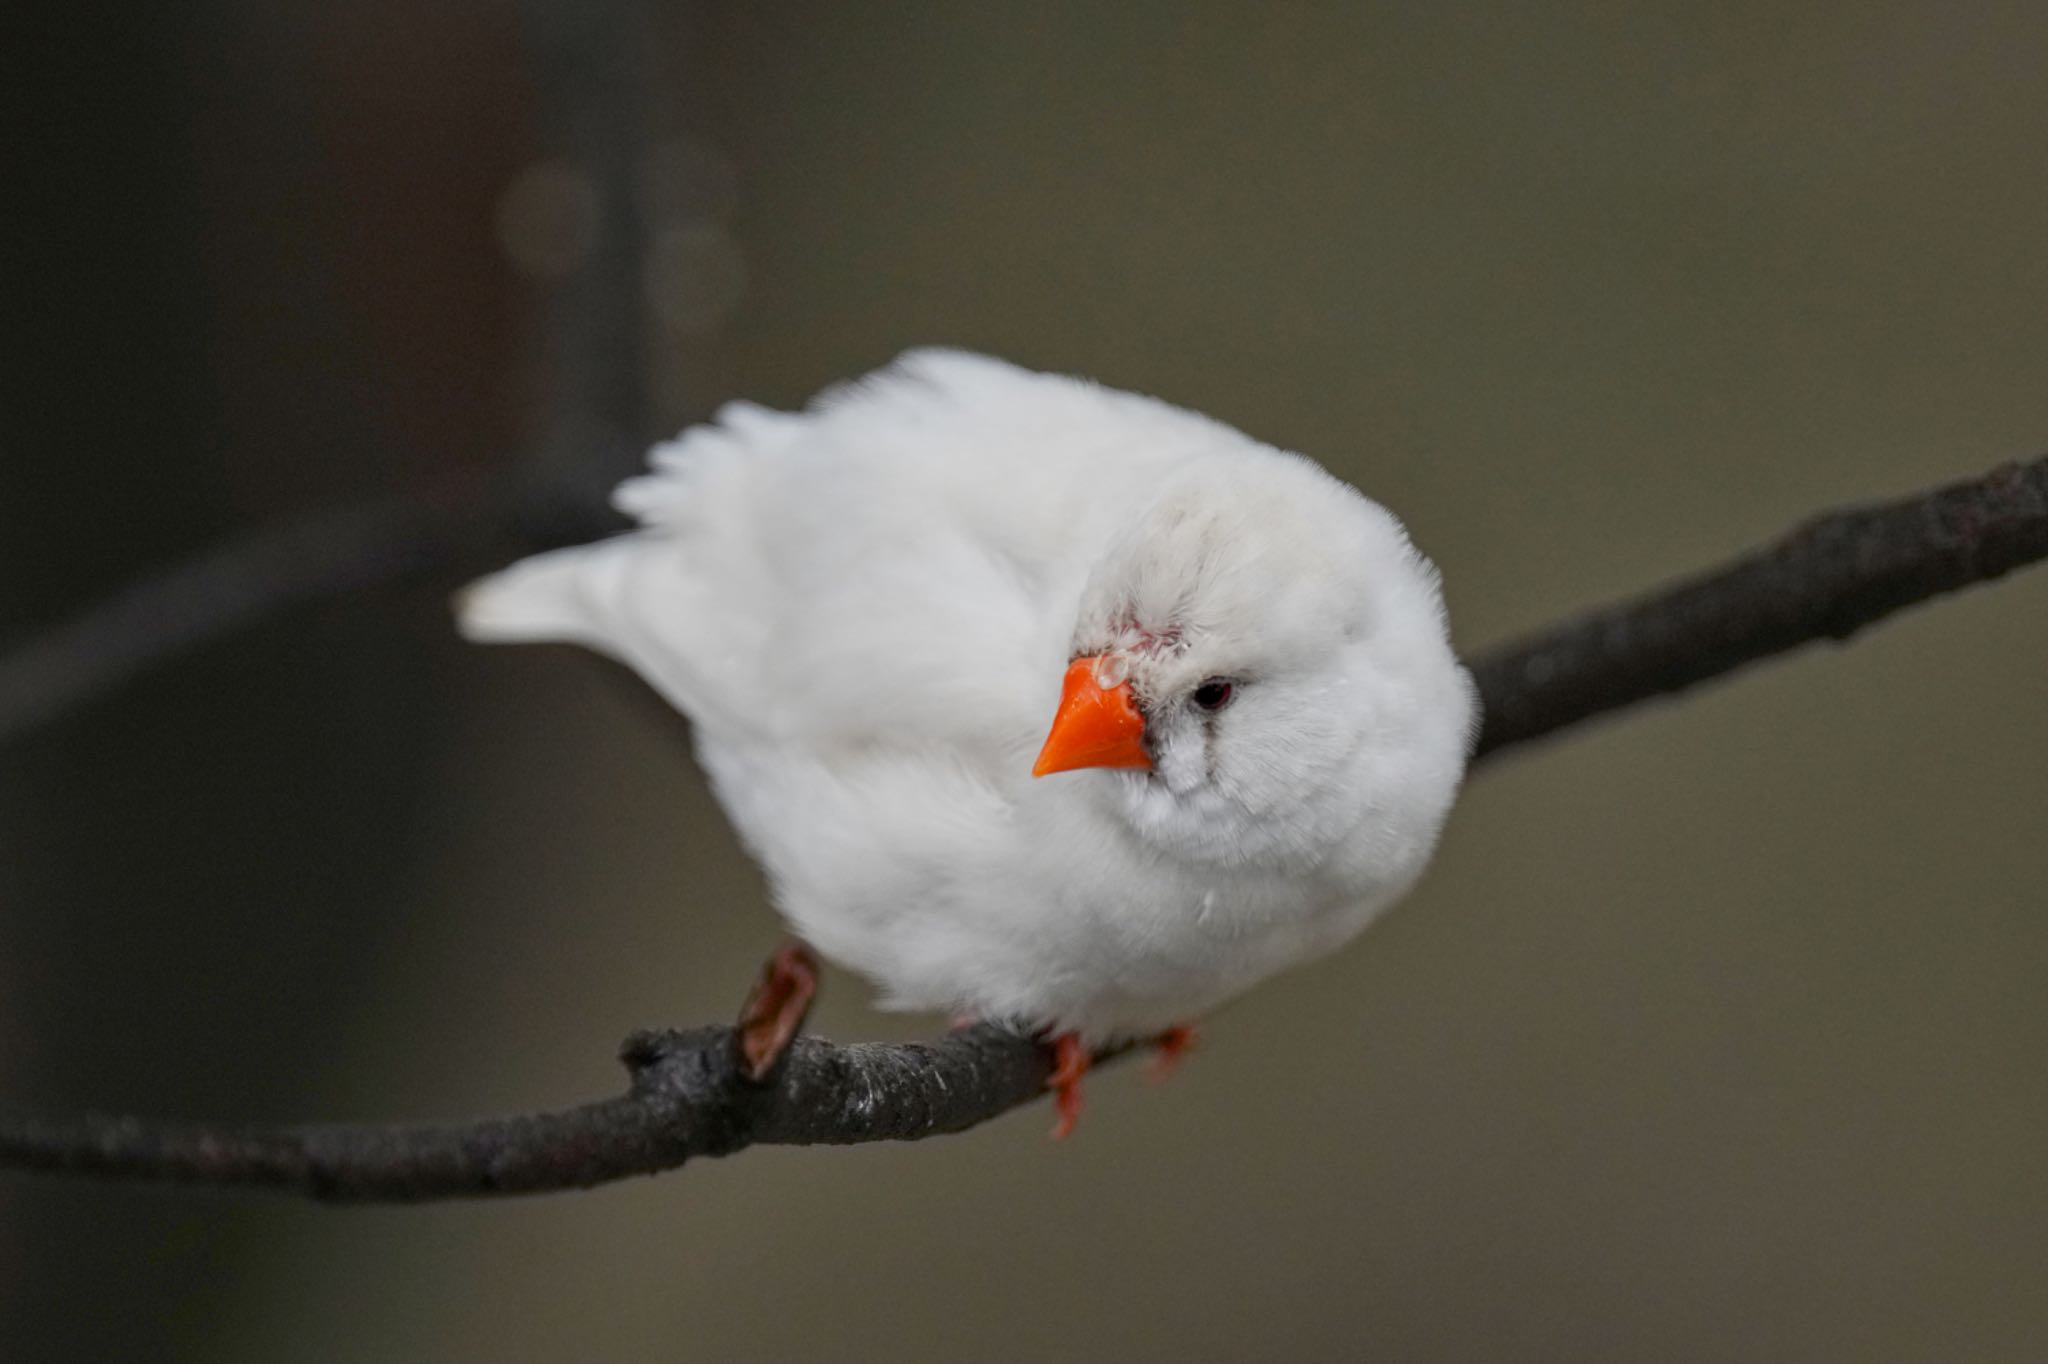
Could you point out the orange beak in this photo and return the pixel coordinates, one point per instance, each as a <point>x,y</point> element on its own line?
<point>1097,726</point>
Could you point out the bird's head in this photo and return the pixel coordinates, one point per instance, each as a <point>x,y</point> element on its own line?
<point>1261,667</point>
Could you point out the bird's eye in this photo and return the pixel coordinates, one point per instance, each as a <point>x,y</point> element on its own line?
<point>1214,694</point>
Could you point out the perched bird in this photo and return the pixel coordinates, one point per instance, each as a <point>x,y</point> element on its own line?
<point>872,610</point>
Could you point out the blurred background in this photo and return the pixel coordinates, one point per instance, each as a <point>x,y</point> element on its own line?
<point>1716,1032</point>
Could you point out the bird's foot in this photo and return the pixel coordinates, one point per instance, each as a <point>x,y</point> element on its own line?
<point>1168,1048</point>
<point>775,1009</point>
<point>1070,1063</point>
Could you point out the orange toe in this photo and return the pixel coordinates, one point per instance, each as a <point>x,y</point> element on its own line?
<point>1070,1063</point>
<point>775,1010</point>
<point>1169,1047</point>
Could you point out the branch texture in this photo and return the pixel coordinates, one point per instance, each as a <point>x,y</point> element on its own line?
<point>688,1096</point>
<point>1826,580</point>
<point>689,1093</point>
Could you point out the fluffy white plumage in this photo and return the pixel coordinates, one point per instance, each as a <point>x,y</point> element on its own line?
<point>867,608</point>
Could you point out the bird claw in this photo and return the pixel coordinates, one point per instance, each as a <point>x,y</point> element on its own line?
<point>776,1007</point>
<point>1071,1060</point>
<point>1070,1063</point>
<point>1169,1049</point>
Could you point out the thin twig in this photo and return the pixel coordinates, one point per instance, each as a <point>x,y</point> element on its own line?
<point>289,565</point>
<point>689,1096</point>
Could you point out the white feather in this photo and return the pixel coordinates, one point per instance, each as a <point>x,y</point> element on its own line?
<point>867,609</point>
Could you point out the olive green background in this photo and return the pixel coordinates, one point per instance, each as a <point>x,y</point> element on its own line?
<point>1716,1031</point>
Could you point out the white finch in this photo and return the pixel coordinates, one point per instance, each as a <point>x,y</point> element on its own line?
<point>871,611</point>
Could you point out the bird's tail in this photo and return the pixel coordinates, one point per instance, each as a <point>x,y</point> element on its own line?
<point>624,598</point>
<point>550,597</point>
<point>677,600</point>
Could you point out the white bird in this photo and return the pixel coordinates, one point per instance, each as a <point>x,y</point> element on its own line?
<point>872,609</point>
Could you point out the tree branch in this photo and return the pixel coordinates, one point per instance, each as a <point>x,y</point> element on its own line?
<point>1826,579</point>
<point>295,563</point>
<point>689,1096</point>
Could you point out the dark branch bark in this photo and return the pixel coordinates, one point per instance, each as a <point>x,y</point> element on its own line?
<point>689,1095</point>
<point>1826,580</point>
